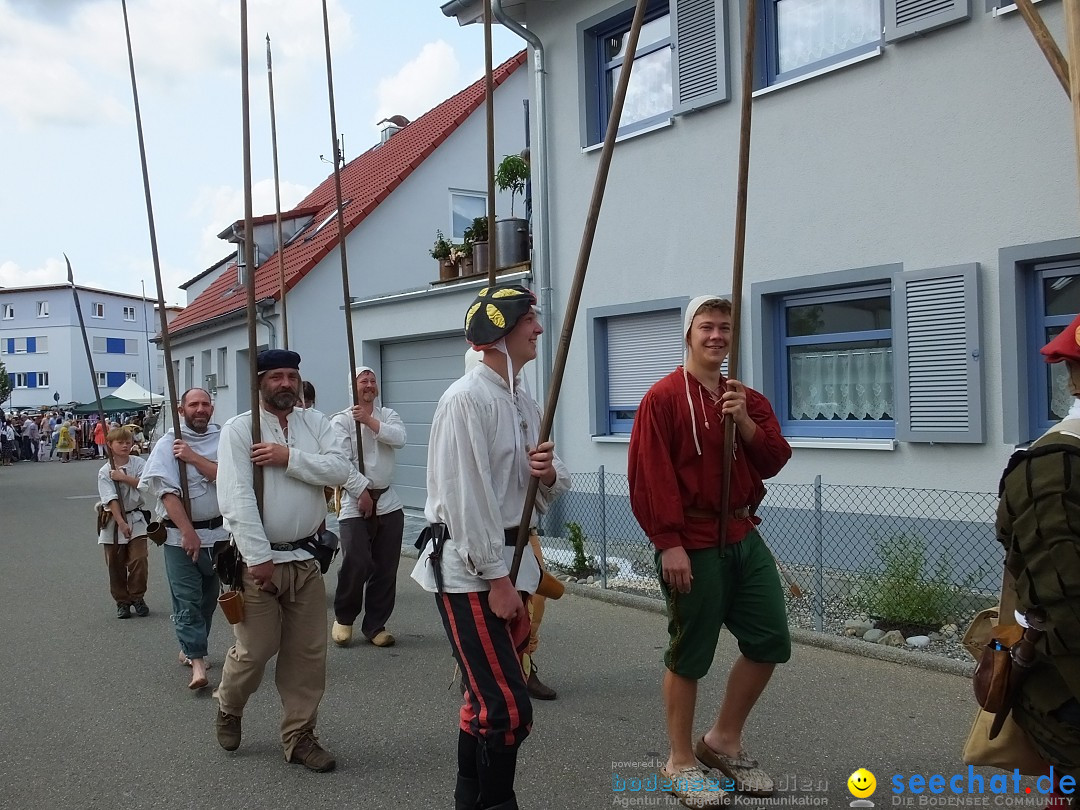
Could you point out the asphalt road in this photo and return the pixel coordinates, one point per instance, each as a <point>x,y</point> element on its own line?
<point>96,713</point>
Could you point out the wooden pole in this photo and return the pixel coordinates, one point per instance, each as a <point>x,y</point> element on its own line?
<point>163,321</point>
<point>249,259</point>
<point>277,201</point>
<point>489,105</point>
<point>341,237</point>
<point>1046,42</point>
<point>584,252</point>
<point>1072,38</point>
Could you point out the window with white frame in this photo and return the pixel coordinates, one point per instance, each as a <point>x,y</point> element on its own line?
<point>129,313</point>
<point>222,367</point>
<point>680,64</point>
<point>43,309</point>
<point>133,375</point>
<point>102,379</point>
<point>20,379</point>
<point>42,379</point>
<point>465,206</point>
<point>836,364</point>
<point>97,310</point>
<point>9,312</point>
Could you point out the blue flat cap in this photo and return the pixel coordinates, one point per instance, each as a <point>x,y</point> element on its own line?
<point>278,358</point>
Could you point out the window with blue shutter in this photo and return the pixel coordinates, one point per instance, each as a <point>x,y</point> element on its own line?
<point>938,355</point>
<point>31,345</point>
<point>9,345</point>
<point>31,380</point>
<point>114,379</point>
<point>114,345</point>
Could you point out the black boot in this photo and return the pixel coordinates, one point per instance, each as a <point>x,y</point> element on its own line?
<point>509,804</point>
<point>466,793</point>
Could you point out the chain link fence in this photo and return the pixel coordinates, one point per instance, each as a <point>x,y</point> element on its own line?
<point>913,558</point>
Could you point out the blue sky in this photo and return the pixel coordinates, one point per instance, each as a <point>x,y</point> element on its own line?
<point>70,178</point>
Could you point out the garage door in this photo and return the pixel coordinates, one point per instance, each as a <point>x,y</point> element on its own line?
<point>415,374</point>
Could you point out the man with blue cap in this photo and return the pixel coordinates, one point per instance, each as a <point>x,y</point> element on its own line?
<point>284,595</point>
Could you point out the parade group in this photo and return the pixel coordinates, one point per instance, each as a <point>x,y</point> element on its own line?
<point>484,449</point>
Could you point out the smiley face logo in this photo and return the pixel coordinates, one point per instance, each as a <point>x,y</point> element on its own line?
<point>861,783</point>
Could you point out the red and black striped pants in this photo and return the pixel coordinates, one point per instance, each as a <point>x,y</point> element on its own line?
<point>496,707</point>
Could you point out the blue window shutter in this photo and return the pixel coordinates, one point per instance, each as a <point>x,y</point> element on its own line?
<point>114,345</point>
<point>31,345</point>
<point>909,18</point>
<point>31,380</point>
<point>937,355</point>
<point>11,345</point>
<point>11,379</point>
<point>114,379</point>
<point>700,67</point>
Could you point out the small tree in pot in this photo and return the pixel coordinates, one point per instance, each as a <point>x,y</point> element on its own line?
<point>440,252</point>
<point>512,237</point>
<point>512,175</point>
<point>476,237</point>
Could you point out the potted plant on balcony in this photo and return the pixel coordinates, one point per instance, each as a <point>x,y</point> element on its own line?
<point>476,236</point>
<point>462,256</point>
<point>512,233</point>
<point>440,252</point>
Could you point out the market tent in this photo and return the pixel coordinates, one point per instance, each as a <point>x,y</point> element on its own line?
<point>133,392</point>
<point>109,404</point>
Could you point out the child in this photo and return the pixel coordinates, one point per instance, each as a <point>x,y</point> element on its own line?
<point>65,442</point>
<point>124,535</point>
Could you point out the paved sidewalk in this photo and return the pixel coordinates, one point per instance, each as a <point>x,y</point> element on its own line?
<point>96,713</point>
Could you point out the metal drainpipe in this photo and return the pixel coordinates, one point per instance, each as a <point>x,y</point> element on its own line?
<point>539,161</point>
<point>270,328</point>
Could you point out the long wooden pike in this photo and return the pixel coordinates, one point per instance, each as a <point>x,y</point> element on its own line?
<point>1045,41</point>
<point>97,393</point>
<point>163,322</point>
<point>277,200</point>
<point>584,252</point>
<point>489,107</point>
<point>338,158</point>
<point>249,259</point>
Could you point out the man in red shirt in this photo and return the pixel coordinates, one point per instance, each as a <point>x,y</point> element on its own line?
<point>675,467</point>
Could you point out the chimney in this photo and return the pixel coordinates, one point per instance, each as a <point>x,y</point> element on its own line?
<point>393,125</point>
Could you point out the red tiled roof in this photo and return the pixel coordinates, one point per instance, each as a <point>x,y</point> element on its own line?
<point>366,181</point>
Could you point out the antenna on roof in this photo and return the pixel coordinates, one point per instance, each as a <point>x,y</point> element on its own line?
<point>340,152</point>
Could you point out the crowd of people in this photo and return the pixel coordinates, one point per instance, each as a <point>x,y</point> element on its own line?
<point>262,498</point>
<point>60,435</point>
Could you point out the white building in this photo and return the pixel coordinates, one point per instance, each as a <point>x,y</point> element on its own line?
<point>429,175</point>
<point>42,348</point>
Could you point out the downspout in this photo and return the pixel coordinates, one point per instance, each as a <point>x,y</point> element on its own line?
<point>262,308</point>
<point>541,224</point>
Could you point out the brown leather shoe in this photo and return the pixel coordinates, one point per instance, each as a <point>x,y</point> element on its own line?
<point>311,755</point>
<point>228,730</point>
<point>538,690</point>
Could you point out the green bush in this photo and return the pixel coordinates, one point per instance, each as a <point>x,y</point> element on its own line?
<point>906,591</point>
<point>583,565</point>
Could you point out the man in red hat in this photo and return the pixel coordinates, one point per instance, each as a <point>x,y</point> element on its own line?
<point>1037,517</point>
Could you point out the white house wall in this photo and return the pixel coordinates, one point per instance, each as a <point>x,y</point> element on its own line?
<point>940,151</point>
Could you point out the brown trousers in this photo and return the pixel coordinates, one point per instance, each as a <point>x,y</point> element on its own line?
<point>289,623</point>
<point>127,564</point>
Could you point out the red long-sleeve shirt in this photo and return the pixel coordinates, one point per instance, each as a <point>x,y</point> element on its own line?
<point>668,476</point>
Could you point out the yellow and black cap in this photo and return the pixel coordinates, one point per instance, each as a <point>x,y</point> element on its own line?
<point>495,312</point>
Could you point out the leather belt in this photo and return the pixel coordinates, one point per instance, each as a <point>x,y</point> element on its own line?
<point>293,546</point>
<point>510,535</point>
<point>741,513</point>
<point>212,523</point>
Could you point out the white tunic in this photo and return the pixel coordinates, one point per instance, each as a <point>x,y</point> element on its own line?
<point>294,504</point>
<point>162,476</point>
<point>378,458</point>
<point>477,476</point>
<point>132,500</point>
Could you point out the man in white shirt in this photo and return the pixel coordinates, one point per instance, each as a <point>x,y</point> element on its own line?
<point>372,517</point>
<point>189,538</point>
<point>284,595</point>
<point>482,452</point>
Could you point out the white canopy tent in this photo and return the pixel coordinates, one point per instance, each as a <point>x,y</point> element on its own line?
<point>133,392</point>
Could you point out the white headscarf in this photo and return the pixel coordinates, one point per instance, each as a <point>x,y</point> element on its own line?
<point>688,319</point>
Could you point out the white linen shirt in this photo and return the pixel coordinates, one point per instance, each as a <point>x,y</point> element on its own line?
<point>161,476</point>
<point>132,500</point>
<point>294,504</point>
<point>378,458</point>
<point>477,477</point>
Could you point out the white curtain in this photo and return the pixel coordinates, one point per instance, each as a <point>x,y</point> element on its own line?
<point>851,384</point>
<point>1060,398</point>
<point>812,30</point>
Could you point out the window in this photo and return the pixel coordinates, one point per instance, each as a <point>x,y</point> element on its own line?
<point>42,379</point>
<point>97,310</point>
<point>101,379</point>
<point>114,379</point>
<point>631,346</point>
<point>680,65</point>
<point>1055,296</point>
<point>131,346</point>
<point>9,311</point>
<point>43,309</point>
<point>465,206</point>
<point>100,345</point>
<point>20,380</point>
<point>129,313</point>
<point>222,366</point>
<point>189,373</point>
<point>802,36</point>
<point>132,375</point>
<point>836,364</point>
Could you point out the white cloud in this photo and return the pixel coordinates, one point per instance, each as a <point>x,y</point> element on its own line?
<point>221,206</point>
<point>73,69</point>
<point>422,83</point>
<point>52,272</point>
